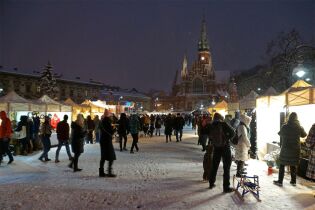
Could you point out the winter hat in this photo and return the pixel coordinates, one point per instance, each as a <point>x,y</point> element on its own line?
<point>245,119</point>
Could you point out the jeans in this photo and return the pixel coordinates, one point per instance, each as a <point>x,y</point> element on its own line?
<point>134,142</point>
<point>179,134</point>
<point>157,131</point>
<point>46,145</point>
<point>121,137</point>
<point>60,144</point>
<point>97,136</point>
<point>225,154</point>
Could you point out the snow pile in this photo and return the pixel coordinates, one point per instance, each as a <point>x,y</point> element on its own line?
<point>160,176</point>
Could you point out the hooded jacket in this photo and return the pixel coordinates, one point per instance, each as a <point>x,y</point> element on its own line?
<point>5,127</point>
<point>243,145</point>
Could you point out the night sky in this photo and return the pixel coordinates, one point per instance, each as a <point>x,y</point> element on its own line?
<point>141,43</point>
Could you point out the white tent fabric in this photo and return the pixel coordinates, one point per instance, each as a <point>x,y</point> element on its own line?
<point>52,105</point>
<point>13,102</point>
<point>249,101</point>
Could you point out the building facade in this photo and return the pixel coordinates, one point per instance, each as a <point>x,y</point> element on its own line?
<point>28,86</point>
<point>196,85</point>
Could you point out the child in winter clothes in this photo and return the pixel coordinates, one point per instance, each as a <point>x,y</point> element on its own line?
<point>207,160</point>
<point>243,145</point>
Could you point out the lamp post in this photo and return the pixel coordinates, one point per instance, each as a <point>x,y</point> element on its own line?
<point>119,105</point>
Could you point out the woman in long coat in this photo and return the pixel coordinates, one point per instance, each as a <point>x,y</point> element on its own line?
<point>107,148</point>
<point>290,134</point>
<point>77,141</point>
<point>243,145</point>
<point>310,143</point>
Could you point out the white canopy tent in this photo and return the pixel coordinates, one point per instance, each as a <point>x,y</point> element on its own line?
<point>249,101</point>
<point>15,105</point>
<point>268,117</point>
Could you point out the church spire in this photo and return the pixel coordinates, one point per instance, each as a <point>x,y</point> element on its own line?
<point>184,71</point>
<point>203,42</point>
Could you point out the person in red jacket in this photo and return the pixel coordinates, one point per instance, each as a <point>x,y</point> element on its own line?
<point>5,135</point>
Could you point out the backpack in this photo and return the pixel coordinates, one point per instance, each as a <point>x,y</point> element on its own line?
<point>217,135</point>
<point>234,140</point>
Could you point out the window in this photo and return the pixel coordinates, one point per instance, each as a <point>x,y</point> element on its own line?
<point>28,88</point>
<point>197,85</point>
<point>71,93</point>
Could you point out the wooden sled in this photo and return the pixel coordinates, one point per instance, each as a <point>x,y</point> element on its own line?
<point>246,184</point>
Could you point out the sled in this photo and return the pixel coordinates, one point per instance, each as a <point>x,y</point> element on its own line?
<point>245,185</point>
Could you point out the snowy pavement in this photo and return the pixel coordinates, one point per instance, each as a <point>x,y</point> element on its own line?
<point>160,176</point>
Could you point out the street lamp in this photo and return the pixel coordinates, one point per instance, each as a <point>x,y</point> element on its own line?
<point>299,70</point>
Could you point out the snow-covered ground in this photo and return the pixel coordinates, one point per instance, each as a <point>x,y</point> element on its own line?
<point>160,176</point>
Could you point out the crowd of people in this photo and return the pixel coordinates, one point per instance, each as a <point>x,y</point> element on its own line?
<point>218,137</point>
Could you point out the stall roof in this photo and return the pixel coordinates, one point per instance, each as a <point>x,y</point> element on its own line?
<point>249,101</point>
<point>47,100</point>
<point>270,92</point>
<point>13,97</point>
<point>298,85</point>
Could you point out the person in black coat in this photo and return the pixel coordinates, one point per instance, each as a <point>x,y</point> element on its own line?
<point>219,136</point>
<point>178,127</point>
<point>123,130</point>
<point>77,141</point>
<point>168,123</point>
<point>107,148</point>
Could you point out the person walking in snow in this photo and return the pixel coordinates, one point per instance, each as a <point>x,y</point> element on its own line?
<point>63,130</point>
<point>90,128</point>
<point>5,136</point>
<point>158,125</point>
<point>45,136</point>
<point>290,133</point>
<point>106,144</point>
<point>77,141</point>
<point>179,123</point>
<point>123,129</point>
<point>134,125</point>
<point>168,123</point>
<point>243,145</point>
<point>219,136</point>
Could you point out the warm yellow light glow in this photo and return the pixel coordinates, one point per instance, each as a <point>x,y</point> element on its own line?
<point>306,115</point>
<point>268,111</point>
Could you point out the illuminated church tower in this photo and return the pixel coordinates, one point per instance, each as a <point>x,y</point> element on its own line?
<point>197,84</point>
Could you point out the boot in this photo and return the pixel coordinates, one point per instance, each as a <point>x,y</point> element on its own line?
<point>101,172</point>
<point>110,174</point>
<point>239,170</point>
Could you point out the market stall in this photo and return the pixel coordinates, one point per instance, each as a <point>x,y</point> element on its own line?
<point>94,109</point>
<point>54,109</point>
<point>300,98</point>
<point>83,109</point>
<point>15,105</point>
<point>220,107</point>
<point>270,109</point>
<point>248,102</point>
